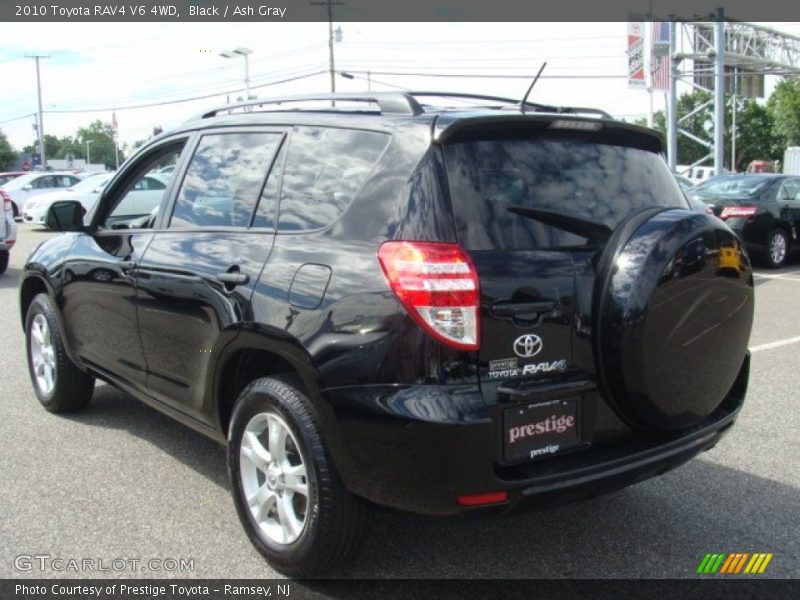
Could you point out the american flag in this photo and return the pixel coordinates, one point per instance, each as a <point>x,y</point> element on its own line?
<point>659,56</point>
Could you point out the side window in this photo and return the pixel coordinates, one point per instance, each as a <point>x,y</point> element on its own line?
<point>72,181</point>
<point>43,183</point>
<point>224,180</point>
<point>267,206</point>
<point>789,191</point>
<point>137,206</point>
<point>325,169</point>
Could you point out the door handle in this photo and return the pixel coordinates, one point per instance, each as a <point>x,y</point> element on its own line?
<point>233,279</point>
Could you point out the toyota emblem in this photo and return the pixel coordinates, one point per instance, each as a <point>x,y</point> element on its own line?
<point>527,345</point>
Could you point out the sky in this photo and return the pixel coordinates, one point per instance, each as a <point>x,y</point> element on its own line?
<point>98,68</point>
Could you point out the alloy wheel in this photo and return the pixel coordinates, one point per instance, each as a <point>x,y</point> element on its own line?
<point>777,248</point>
<point>43,355</point>
<point>274,478</point>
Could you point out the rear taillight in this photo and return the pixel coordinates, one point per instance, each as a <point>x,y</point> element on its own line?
<point>438,285</point>
<point>6,201</point>
<point>734,212</point>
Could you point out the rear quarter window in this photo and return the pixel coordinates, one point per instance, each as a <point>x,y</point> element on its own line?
<point>592,181</point>
<point>325,169</point>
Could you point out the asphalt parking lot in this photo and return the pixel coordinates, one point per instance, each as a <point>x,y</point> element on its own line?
<point>120,480</point>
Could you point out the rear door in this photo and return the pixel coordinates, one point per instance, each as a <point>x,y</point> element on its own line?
<point>534,215</point>
<point>197,275</point>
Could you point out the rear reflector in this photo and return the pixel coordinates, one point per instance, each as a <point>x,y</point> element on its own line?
<point>438,286</point>
<point>732,212</point>
<point>478,499</point>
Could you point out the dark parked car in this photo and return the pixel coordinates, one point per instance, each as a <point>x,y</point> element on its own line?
<point>437,310</point>
<point>763,209</point>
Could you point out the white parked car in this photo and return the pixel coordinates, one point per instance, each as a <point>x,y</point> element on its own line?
<point>8,230</point>
<point>21,189</point>
<point>86,192</point>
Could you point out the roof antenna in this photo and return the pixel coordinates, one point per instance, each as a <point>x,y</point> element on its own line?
<point>533,83</point>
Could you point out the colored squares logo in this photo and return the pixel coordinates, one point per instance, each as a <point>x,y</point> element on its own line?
<point>734,563</point>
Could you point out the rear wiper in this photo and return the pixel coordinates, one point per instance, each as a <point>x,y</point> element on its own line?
<point>595,232</point>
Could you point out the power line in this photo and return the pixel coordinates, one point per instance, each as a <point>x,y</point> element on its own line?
<point>18,118</point>
<point>202,72</point>
<point>485,76</point>
<point>181,100</point>
<point>470,42</point>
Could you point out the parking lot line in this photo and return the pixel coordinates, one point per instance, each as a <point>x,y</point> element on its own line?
<point>778,344</point>
<point>782,277</point>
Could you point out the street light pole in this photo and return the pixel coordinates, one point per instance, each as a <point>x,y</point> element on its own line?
<point>244,53</point>
<point>247,74</point>
<point>88,144</point>
<point>36,57</point>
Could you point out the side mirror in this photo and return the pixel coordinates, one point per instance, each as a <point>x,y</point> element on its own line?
<point>66,215</point>
<point>27,188</point>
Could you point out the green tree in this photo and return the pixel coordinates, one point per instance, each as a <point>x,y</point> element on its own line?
<point>52,145</point>
<point>8,156</point>
<point>70,146</point>
<point>784,106</point>
<point>755,134</point>
<point>101,136</point>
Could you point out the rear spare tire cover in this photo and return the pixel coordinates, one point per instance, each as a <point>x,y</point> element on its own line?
<point>673,308</point>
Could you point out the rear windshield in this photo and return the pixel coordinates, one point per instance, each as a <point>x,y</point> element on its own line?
<point>595,182</point>
<point>734,185</point>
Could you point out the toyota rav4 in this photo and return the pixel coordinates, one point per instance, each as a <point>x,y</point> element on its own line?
<point>438,303</point>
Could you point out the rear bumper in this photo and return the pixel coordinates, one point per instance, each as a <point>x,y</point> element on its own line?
<point>419,448</point>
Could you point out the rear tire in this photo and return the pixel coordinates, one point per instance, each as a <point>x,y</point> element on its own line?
<point>3,261</point>
<point>59,384</point>
<point>777,248</point>
<point>299,516</point>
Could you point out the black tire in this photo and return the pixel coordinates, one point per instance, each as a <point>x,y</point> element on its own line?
<point>15,210</point>
<point>72,388</point>
<point>3,261</point>
<point>335,520</point>
<point>770,257</point>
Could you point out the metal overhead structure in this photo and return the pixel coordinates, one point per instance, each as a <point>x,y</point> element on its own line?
<point>726,56</point>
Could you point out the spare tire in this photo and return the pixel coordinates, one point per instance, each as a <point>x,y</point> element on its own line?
<point>673,309</point>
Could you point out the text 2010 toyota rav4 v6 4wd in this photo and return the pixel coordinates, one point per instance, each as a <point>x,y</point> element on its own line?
<point>440,310</point>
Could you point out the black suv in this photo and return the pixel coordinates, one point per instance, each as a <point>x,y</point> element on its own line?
<point>382,298</point>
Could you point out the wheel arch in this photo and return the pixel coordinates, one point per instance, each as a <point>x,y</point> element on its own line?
<point>256,354</point>
<point>29,288</point>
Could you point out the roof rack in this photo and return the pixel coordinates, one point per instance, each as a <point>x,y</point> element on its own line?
<point>511,102</point>
<point>388,102</point>
<point>403,103</point>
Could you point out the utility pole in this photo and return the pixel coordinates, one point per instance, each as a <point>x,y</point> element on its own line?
<point>330,4</point>
<point>42,157</point>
